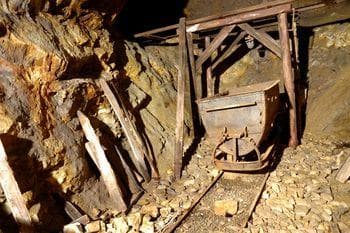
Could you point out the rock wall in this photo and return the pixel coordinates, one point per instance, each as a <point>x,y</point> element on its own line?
<point>328,106</point>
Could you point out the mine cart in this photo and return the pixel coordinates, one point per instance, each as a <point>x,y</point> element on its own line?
<point>238,123</point>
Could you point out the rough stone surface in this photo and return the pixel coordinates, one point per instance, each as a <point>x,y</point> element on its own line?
<point>225,207</point>
<point>94,226</point>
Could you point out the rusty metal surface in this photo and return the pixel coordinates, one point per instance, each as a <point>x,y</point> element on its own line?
<point>239,122</point>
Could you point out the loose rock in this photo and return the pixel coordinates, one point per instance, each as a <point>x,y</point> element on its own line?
<point>225,207</point>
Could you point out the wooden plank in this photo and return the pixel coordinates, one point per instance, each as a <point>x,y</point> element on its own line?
<point>99,157</point>
<point>82,220</point>
<point>224,32</point>
<point>288,78</point>
<point>344,172</point>
<point>263,5</point>
<point>263,37</point>
<point>213,17</point>
<point>239,18</point>
<point>138,138</point>
<point>13,194</point>
<point>195,80</point>
<point>130,175</point>
<point>157,30</point>
<point>183,74</point>
<point>230,50</point>
<point>72,211</point>
<point>209,76</point>
<point>139,154</point>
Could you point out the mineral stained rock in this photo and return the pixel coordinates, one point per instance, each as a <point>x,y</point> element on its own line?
<point>51,53</point>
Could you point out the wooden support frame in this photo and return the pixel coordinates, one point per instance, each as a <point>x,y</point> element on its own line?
<point>13,194</point>
<point>215,44</point>
<point>180,107</point>
<point>239,18</point>
<point>288,78</point>
<point>263,38</point>
<point>227,23</point>
<point>230,50</point>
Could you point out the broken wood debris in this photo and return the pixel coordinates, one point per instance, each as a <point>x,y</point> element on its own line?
<point>98,155</point>
<point>72,211</point>
<point>131,134</point>
<point>138,137</point>
<point>133,183</point>
<point>13,194</point>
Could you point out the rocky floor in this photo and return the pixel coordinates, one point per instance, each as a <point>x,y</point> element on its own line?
<point>301,195</point>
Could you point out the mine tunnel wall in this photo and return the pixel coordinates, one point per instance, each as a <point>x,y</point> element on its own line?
<point>49,65</point>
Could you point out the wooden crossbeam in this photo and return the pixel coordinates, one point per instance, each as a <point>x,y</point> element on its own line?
<point>13,194</point>
<point>221,36</point>
<point>263,37</point>
<point>265,5</point>
<point>183,75</point>
<point>239,18</point>
<point>230,50</point>
<point>98,155</point>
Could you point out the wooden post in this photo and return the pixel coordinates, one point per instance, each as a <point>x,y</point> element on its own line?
<point>196,82</point>
<point>183,74</point>
<point>210,84</point>
<point>99,157</point>
<point>13,194</point>
<point>288,78</point>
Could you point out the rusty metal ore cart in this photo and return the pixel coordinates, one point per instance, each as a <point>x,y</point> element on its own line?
<point>238,123</point>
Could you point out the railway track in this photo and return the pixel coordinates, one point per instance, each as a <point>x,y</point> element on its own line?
<point>243,188</point>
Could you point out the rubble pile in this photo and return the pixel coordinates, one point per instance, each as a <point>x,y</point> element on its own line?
<point>301,194</point>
